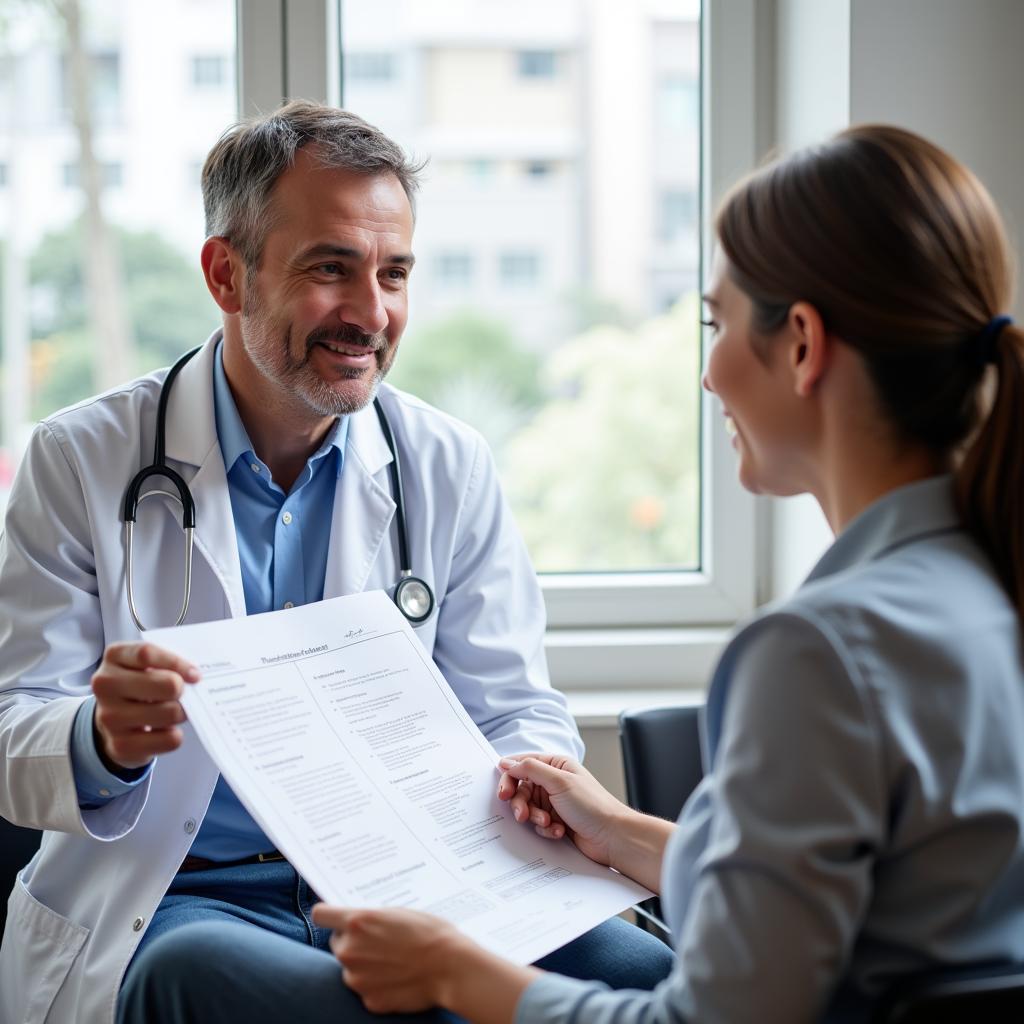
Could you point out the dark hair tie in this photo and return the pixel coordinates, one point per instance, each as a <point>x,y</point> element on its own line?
<point>988,338</point>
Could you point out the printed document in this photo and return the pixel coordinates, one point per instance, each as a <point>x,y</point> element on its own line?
<point>339,735</point>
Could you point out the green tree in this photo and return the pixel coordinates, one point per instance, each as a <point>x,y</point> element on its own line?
<point>606,476</point>
<point>474,368</point>
<point>168,305</point>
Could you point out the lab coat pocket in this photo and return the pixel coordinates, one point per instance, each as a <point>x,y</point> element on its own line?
<point>39,948</point>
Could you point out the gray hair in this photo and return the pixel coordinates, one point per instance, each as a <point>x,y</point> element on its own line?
<point>242,168</point>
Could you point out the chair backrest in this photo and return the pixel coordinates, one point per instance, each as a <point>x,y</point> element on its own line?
<point>989,994</point>
<point>17,847</point>
<point>661,758</point>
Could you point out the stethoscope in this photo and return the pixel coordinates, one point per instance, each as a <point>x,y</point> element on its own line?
<point>413,595</point>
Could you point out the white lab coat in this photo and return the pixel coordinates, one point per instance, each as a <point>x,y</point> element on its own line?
<point>81,906</point>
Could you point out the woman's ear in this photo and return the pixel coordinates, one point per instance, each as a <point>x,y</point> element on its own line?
<point>808,347</point>
<point>223,270</point>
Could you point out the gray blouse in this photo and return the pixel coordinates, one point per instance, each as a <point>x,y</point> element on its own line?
<point>862,814</point>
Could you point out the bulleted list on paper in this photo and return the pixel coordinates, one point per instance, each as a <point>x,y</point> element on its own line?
<point>335,729</point>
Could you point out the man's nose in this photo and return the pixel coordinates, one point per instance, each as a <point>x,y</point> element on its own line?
<point>363,307</point>
<point>705,382</point>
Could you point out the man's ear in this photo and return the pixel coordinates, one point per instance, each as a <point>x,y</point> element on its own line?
<point>809,347</point>
<point>224,272</point>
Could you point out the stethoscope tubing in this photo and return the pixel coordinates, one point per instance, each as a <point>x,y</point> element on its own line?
<point>413,595</point>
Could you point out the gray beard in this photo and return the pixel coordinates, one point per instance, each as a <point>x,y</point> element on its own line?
<point>295,377</point>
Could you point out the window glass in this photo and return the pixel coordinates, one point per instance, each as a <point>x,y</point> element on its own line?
<point>107,108</point>
<point>537,63</point>
<point>209,72</point>
<point>558,251</point>
<point>371,67</point>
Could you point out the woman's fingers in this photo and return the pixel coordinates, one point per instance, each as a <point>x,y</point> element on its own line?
<point>534,769</point>
<point>556,830</point>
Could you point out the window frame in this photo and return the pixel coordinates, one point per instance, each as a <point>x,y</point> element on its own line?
<point>606,630</point>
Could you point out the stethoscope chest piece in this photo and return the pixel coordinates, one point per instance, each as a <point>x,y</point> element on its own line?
<point>414,598</point>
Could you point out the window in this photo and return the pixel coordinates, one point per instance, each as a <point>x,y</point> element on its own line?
<point>481,170</point>
<point>519,269</point>
<point>537,63</point>
<point>60,343</point>
<point>563,271</point>
<point>680,549</point>
<point>111,175</point>
<point>677,215</point>
<point>454,269</point>
<point>104,84</point>
<point>373,68</point>
<point>677,98</point>
<point>209,72</point>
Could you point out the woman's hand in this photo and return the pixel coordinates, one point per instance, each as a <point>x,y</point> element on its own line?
<point>402,961</point>
<point>562,798</point>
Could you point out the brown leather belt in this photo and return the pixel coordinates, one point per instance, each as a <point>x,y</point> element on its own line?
<point>191,863</point>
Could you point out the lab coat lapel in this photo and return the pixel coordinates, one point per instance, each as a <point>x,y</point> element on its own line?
<point>192,442</point>
<point>363,507</point>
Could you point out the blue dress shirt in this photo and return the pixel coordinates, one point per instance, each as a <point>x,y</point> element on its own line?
<point>282,548</point>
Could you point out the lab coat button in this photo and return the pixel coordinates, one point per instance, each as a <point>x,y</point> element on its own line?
<point>138,923</point>
<point>190,826</point>
<point>286,518</point>
<point>104,792</point>
<point>255,467</point>
<point>289,604</point>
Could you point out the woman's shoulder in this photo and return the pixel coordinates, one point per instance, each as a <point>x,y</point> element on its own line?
<point>935,590</point>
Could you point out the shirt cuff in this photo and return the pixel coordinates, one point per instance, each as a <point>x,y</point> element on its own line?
<point>553,998</point>
<point>95,785</point>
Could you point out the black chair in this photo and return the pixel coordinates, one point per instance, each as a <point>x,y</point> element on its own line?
<point>17,847</point>
<point>661,759</point>
<point>990,994</point>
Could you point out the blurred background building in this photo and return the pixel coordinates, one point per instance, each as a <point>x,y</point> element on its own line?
<point>557,236</point>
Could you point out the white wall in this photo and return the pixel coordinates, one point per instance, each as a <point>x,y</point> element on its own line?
<point>948,69</point>
<point>952,71</point>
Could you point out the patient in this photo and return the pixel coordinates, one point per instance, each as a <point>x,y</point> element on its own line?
<point>863,814</point>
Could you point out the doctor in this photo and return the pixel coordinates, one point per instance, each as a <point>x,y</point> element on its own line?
<point>151,875</point>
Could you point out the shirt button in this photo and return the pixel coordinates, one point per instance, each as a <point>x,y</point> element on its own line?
<point>255,467</point>
<point>289,604</point>
<point>104,792</point>
<point>286,518</point>
<point>138,923</point>
<point>190,826</point>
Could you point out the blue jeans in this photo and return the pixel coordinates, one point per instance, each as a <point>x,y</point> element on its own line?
<point>239,944</point>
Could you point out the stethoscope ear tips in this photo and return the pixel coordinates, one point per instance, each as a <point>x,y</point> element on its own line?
<point>415,599</point>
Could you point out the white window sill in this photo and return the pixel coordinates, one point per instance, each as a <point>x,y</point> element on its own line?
<point>603,672</point>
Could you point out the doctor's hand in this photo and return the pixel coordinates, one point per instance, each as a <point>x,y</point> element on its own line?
<point>137,688</point>
<point>563,798</point>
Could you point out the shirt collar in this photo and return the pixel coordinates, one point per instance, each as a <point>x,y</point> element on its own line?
<point>904,515</point>
<point>231,432</point>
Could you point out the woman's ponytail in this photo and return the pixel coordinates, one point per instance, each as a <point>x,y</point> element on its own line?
<point>990,479</point>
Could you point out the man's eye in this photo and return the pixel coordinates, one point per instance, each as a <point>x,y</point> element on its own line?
<point>329,268</point>
<point>397,273</point>
<point>713,324</point>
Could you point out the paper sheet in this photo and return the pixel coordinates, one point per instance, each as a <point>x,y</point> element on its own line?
<point>341,738</point>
